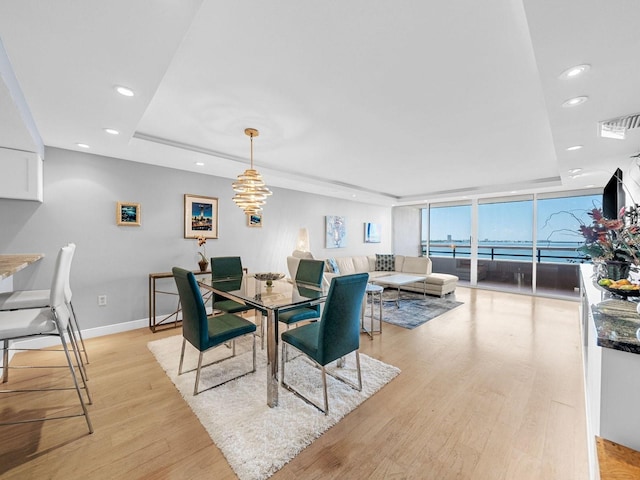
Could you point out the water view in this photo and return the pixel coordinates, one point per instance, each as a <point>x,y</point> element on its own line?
<point>506,229</point>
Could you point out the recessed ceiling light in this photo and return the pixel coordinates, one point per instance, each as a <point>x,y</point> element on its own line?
<point>125,91</point>
<point>575,170</point>
<point>575,71</point>
<point>575,147</point>
<point>112,131</point>
<point>200,164</point>
<point>572,102</point>
<point>353,195</point>
<point>83,145</point>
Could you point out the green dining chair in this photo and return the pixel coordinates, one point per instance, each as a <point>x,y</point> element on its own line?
<point>309,273</point>
<point>207,332</point>
<point>334,336</point>
<point>226,274</point>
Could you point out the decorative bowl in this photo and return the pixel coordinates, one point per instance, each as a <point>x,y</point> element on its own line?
<point>622,293</point>
<point>268,276</point>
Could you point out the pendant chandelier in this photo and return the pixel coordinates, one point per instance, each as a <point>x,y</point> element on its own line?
<point>251,192</point>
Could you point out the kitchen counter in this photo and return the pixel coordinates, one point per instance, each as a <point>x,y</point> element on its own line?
<point>616,320</point>
<point>11,264</point>
<point>610,352</point>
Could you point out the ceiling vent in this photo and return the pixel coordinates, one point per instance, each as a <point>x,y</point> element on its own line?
<point>617,127</point>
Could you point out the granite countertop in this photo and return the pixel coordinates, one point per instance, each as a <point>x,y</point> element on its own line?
<point>616,320</point>
<point>10,264</point>
<point>618,324</point>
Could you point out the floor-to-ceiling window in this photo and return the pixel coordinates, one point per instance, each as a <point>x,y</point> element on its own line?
<point>446,238</point>
<point>558,218</point>
<point>526,243</point>
<point>505,243</point>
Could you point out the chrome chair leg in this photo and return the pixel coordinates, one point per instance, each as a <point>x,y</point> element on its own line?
<point>74,319</point>
<point>324,390</point>
<point>5,361</point>
<point>324,374</point>
<point>184,342</point>
<point>78,355</point>
<point>195,388</point>
<point>75,382</point>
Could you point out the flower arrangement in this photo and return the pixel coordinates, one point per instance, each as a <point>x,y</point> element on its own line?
<point>612,240</point>
<point>202,241</point>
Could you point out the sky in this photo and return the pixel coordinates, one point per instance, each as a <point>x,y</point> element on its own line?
<point>512,221</point>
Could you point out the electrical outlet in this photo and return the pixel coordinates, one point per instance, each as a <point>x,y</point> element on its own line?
<point>102,300</point>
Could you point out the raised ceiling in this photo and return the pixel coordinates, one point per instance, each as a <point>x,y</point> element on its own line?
<point>385,102</point>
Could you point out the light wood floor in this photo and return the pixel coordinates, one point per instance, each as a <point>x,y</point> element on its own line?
<point>490,390</point>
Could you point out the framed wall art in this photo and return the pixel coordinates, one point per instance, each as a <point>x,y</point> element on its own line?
<point>254,220</point>
<point>372,232</point>
<point>200,216</point>
<point>336,231</point>
<point>128,214</point>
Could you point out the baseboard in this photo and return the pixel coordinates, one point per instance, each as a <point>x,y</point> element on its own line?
<point>49,341</point>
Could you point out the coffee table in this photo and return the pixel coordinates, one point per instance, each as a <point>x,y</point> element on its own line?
<point>398,281</point>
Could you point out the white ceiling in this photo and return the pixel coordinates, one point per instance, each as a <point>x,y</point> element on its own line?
<point>390,102</point>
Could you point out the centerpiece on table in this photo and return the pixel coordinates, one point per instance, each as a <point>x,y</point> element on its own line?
<point>613,245</point>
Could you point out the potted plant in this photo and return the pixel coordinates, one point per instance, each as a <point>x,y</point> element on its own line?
<point>612,243</point>
<point>203,263</point>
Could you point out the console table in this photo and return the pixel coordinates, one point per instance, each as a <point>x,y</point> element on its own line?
<point>164,322</point>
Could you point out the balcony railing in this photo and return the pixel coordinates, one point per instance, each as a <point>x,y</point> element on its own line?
<point>543,254</point>
<point>510,267</point>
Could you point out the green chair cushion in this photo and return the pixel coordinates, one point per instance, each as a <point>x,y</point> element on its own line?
<point>225,327</point>
<point>305,339</point>
<point>230,306</point>
<point>299,314</point>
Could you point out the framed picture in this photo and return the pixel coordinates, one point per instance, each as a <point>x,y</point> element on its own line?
<point>200,216</point>
<point>254,220</point>
<point>372,232</point>
<point>336,231</point>
<point>128,214</point>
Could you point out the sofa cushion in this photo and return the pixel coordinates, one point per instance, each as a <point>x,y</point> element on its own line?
<point>361,264</point>
<point>292,265</point>
<point>302,254</point>
<point>419,265</point>
<point>345,265</point>
<point>385,262</point>
<point>441,279</point>
<point>332,266</point>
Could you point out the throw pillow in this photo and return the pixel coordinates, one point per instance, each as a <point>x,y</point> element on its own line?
<point>385,263</point>
<point>332,266</point>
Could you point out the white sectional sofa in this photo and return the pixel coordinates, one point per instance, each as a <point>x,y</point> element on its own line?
<point>377,266</point>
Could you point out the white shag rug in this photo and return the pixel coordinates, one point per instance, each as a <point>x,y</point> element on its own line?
<point>257,440</point>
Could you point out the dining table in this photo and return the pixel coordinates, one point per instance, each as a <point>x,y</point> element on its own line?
<point>270,300</point>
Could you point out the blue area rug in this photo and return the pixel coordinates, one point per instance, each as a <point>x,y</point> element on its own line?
<point>415,309</point>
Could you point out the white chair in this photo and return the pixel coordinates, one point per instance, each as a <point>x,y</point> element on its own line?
<point>26,324</point>
<point>21,299</point>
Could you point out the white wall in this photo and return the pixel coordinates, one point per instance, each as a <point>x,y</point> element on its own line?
<point>81,191</point>
<point>407,231</point>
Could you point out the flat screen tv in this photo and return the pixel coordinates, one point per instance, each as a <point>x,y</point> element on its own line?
<point>613,196</point>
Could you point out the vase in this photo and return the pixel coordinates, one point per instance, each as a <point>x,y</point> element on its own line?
<point>615,270</point>
<point>203,265</point>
